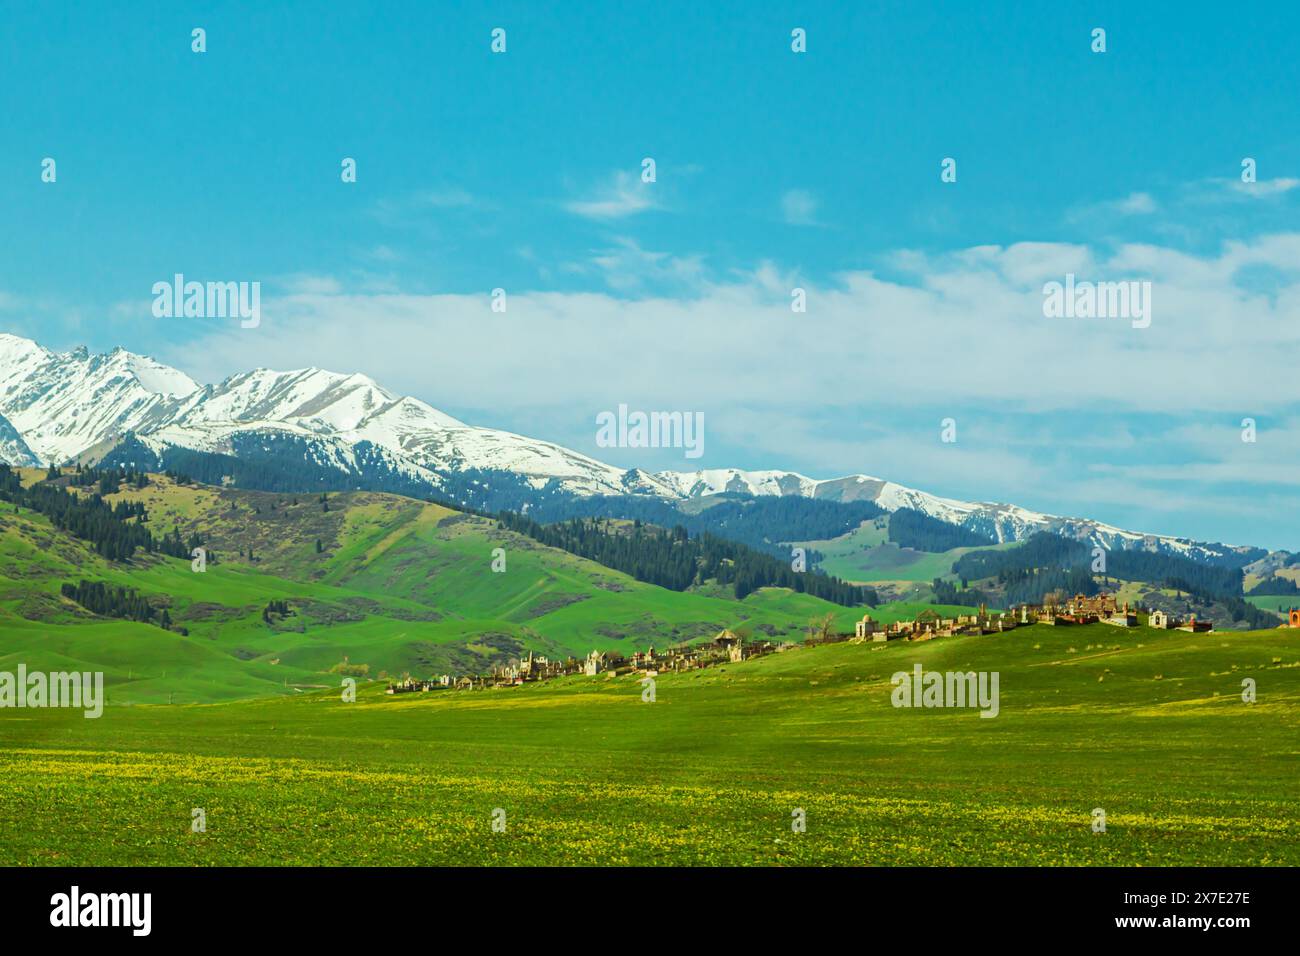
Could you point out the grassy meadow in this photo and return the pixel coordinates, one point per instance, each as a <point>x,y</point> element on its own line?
<point>242,716</point>
<point>867,556</point>
<point>1274,602</point>
<point>1149,726</point>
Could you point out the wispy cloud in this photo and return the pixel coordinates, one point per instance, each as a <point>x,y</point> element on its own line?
<point>1134,204</point>
<point>734,335</point>
<point>307,284</point>
<point>414,208</point>
<point>627,267</point>
<point>1228,189</point>
<point>383,253</point>
<point>624,195</point>
<point>1265,188</point>
<point>799,208</point>
<point>445,198</point>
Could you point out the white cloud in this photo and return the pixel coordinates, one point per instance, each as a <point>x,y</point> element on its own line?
<point>971,329</point>
<point>965,337</point>
<point>626,267</point>
<point>415,209</point>
<point>1231,189</point>
<point>383,253</point>
<point>1265,188</point>
<point>624,195</point>
<point>311,285</point>
<point>1136,204</point>
<point>446,198</point>
<point>799,208</point>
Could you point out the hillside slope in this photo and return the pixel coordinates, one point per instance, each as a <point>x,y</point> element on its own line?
<point>397,586</point>
<point>294,428</point>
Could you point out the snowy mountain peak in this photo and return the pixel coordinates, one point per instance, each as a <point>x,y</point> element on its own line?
<point>57,407</point>
<point>14,350</point>
<point>63,404</point>
<point>152,375</point>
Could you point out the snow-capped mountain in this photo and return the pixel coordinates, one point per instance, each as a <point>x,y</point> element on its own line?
<point>73,404</point>
<point>56,407</point>
<point>12,447</point>
<point>64,404</point>
<point>1002,522</point>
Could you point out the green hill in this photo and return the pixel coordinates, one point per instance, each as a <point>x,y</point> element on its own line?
<point>867,556</point>
<point>1148,726</point>
<point>1280,603</point>
<point>388,584</point>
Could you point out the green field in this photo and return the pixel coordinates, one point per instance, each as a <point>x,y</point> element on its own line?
<point>1148,726</point>
<point>866,556</point>
<point>398,586</point>
<point>243,716</point>
<point>1274,602</point>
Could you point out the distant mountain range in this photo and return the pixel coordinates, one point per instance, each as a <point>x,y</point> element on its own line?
<point>59,407</point>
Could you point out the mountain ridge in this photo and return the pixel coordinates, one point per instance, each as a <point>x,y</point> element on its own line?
<point>64,406</point>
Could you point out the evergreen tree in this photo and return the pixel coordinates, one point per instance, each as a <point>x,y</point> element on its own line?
<point>675,560</point>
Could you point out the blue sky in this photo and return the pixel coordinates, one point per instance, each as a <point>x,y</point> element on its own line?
<point>774,170</point>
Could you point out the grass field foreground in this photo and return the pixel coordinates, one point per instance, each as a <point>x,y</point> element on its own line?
<point>1149,727</point>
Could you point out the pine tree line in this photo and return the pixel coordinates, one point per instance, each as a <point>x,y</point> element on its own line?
<point>115,531</point>
<point>1238,608</point>
<point>945,592</point>
<point>909,528</point>
<point>673,559</point>
<point>1045,553</point>
<point>110,480</point>
<point>108,600</point>
<point>275,609</point>
<point>108,528</point>
<point>1275,585</point>
<point>764,523</point>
